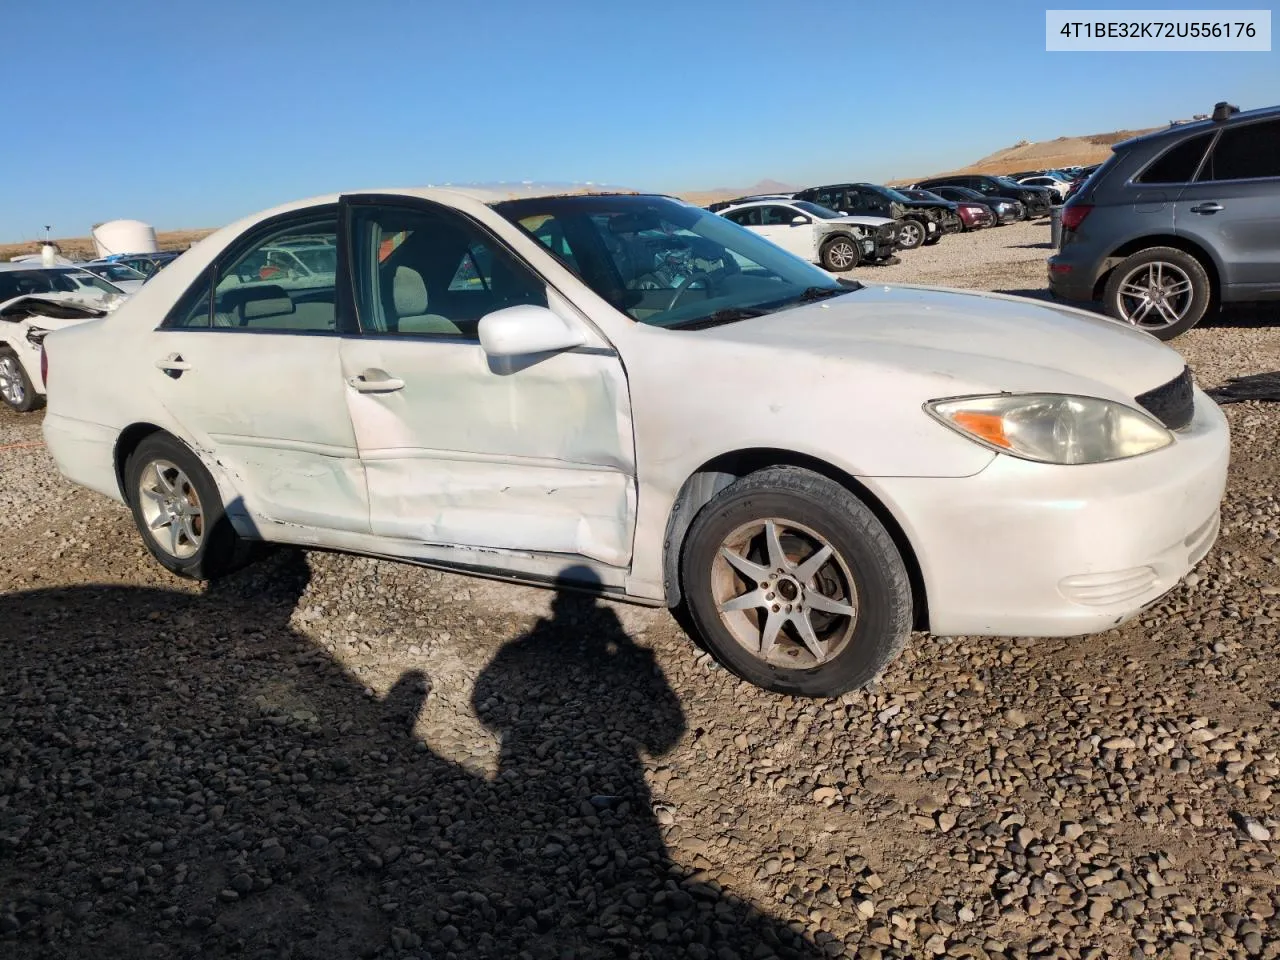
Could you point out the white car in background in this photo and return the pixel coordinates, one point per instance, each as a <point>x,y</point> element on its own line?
<point>35,299</point>
<point>835,241</point>
<point>1055,186</point>
<point>120,275</point>
<point>630,394</point>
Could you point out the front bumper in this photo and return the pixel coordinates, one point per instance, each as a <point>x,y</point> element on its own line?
<point>1028,549</point>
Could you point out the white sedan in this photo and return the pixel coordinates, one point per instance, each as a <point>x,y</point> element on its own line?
<point>633,395</point>
<point>1055,186</point>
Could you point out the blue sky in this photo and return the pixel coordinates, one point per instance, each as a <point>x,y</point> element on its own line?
<point>191,114</point>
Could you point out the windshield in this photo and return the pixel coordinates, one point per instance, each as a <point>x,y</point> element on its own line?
<point>826,213</point>
<point>115,271</point>
<point>83,278</point>
<point>893,194</point>
<point>25,283</point>
<point>667,263</point>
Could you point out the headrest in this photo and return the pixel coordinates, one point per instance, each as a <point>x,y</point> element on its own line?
<point>251,301</point>
<point>409,292</point>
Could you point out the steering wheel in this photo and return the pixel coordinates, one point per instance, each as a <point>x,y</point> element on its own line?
<point>686,285</point>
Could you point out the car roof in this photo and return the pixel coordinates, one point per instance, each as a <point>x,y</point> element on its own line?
<point>37,265</point>
<point>1179,130</point>
<point>764,202</point>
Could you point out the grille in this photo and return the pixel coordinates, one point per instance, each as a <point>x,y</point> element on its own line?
<point>1173,404</point>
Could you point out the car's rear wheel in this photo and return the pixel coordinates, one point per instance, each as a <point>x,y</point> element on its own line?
<point>1162,290</point>
<point>16,388</point>
<point>793,584</point>
<point>179,512</point>
<point>840,254</point>
<point>911,234</point>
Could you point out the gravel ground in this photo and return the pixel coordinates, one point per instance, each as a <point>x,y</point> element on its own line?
<point>330,757</point>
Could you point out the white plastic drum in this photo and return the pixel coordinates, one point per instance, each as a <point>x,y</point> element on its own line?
<point>124,236</point>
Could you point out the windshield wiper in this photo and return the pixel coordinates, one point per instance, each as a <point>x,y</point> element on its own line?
<point>728,315</point>
<point>810,294</point>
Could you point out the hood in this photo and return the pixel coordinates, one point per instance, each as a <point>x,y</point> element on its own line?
<point>959,342</point>
<point>54,306</point>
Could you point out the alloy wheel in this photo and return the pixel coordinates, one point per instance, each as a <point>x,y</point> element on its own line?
<point>841,254</point>
<point>784,593</point>
<point>171,509</point>
<point>1155,295</point>
<point>11,388</point>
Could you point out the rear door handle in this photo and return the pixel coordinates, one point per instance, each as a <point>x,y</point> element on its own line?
<point>173,365</point>
<point>374,380</point>
<point>1210,207</point>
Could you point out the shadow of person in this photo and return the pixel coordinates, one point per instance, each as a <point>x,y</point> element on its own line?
<point>577,704</point>
<point>184,774</point>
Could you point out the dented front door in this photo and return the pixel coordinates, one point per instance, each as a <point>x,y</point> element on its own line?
<point>484,453</point>
<point>532,454</point>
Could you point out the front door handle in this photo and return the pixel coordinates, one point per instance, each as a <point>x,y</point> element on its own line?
<point>374,380</point>
<point>1210,207</point>
<point>173,365</point>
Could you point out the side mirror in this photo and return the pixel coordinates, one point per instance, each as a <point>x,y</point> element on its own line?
<point>799,221</point>
<point>525,329</point>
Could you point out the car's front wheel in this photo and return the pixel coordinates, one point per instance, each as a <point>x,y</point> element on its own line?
<point>16,388</point>
<point>178,511</point>
<point>911,234</point>
<point>794,584</point>
<point>840,254</point>
<point>1162,290</point>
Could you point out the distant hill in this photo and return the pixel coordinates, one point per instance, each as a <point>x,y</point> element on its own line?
<point>1042,155</point>
<point>704,197</point>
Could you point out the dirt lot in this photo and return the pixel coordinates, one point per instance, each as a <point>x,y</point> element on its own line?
<point>331,757</point>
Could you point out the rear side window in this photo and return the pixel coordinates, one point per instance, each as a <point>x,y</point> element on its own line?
<point>1179,164</point>
<point>268,287</point>
<point>1246,152</point>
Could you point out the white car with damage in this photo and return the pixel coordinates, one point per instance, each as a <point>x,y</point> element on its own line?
<point>633,395</point>
<point>835,241</point>
<point>35,299</point>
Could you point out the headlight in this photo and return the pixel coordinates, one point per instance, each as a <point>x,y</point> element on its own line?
<point>1053,428</point>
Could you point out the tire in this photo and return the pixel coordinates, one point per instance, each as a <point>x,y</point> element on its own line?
<point>864,568</point>
<point>912,234</point>
<point>1168,268</point>
<point>16,388</point>
<point>840,254</point>
<point>206,547</point>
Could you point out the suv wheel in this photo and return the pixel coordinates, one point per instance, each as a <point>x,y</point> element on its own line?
<point>1162,290</point>
<point>911,235</point>
<point>840,254</point>
<point>16,388</point>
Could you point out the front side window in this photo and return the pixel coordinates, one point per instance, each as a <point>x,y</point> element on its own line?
<point>778,216</point>
<point>262,286</point>
<point>432,272</point>
<point>1250,151</point>
<point>1179,164</point>
<point>670,264</point>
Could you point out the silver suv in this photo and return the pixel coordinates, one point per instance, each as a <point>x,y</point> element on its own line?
<point>1177,220</point>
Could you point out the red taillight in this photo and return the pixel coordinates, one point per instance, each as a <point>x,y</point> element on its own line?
<point>44,367</point>
<point>1073,215</point>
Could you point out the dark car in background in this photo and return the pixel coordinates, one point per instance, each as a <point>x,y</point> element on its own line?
<point>1037,200</point>
<point>973,215</point>
<point>1003,209</point>
<point>922,221</point>
<point>1177,220</point>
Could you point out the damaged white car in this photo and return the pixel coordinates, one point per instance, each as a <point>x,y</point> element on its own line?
<point>836,241</point>
<point>35,299</point>
<point>629,394</point>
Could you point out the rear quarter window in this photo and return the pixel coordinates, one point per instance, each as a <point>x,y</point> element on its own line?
<point>1179,163</point>
<point>1250,151</point>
